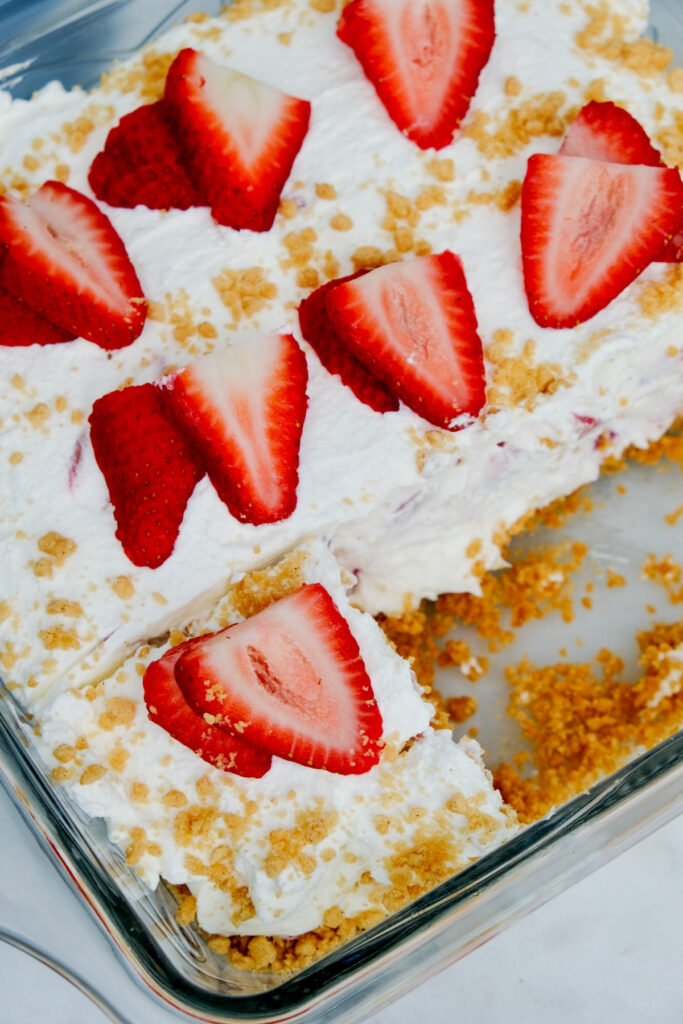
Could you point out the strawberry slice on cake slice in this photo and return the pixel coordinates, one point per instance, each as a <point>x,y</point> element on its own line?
<point>239,137</point>
<point>291,681</point>
<point>167,707</point>
<point>589,228</point>
<point>66,262</point>
<point>243,411</point>
<point>142,164</point>
<point>414,326</point>
<point>424,58</point>
<point>318,330</point>
<point>149,469</point>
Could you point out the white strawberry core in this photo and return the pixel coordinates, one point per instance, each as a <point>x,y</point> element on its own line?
<point>425,36</point>
<point>67,237</point>
<point>600,210</point>
<point>406,304</point>
<point>234,387</point>
<point>280,669</point>
<point>249,109</point>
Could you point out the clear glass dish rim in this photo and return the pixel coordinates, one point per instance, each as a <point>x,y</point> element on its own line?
<point>591,817</point>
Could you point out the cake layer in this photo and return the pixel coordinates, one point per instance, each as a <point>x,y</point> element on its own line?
<point>281,854</point>
<point>411,510</point>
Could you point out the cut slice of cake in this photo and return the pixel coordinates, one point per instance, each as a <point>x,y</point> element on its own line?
<point>287,852</point>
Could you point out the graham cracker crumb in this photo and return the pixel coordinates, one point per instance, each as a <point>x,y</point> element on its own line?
<point>667,573</point>
<point>260,588</point>
<point>663,296</point>
<point>57,638</point>
<point>60,606</point>
<point>604,36</point>
<point>123,587</point>
<point>340,222</point>
<point>441,169</point>
<point>520,380</point>
<point>244,292</point>
<point>64,753</point>
<point>539,115</point>
<point>93,773</point>
<point>147,77</point>
<point>459,709</point>
<point>583,725</point>
<point>288,209</point>
<point>56,546</point>
<point>513,86</point>
<point>187,908</point>
<point>287,844</point>
<point>119,711</point>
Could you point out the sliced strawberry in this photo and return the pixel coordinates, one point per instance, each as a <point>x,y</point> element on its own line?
<point>149,469</point>
<point>167,707</point>
<point>604,131</point>
<point>673,250</point>
<point>588,230</point>
<point>243,410</point>
<point>20,326</point>
<point>423,58</point>
<point>239,137</point>
<point>290,680</point>
<point>413,324</point>
<point>319,332</point>
<point>142,165</point>
<point>71,267</point>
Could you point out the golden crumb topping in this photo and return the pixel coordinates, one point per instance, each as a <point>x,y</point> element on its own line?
<point>56,546</point>
<point>147,76</point>
<point>503,137</point>
<point>244,292</point>
<point>584,721</point>
<point>59,638</point>
<point>604,36</point>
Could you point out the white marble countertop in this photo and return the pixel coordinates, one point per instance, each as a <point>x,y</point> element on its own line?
<point>609,949</point>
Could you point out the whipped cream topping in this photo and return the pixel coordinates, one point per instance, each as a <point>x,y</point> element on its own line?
<point>409,509</point>
<point>274,855</point>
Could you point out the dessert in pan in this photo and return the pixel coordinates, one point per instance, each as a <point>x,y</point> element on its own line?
<point>304,309</point>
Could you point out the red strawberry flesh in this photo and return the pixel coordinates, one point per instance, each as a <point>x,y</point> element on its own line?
<point>149,469</point>
<point>291,681</point>
<point>413,324</point>
<point>334,354</point>
<point>167,707</point>
<point>71,267</point>
<point>424,58</point>
<point>589,228</point>
<point>239,137</point>
<point>243,411</point>
<point>604,131</point>
<point>20,325</point>
<point>142,164</point>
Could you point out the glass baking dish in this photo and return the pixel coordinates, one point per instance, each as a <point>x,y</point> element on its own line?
<point>43,40</point>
